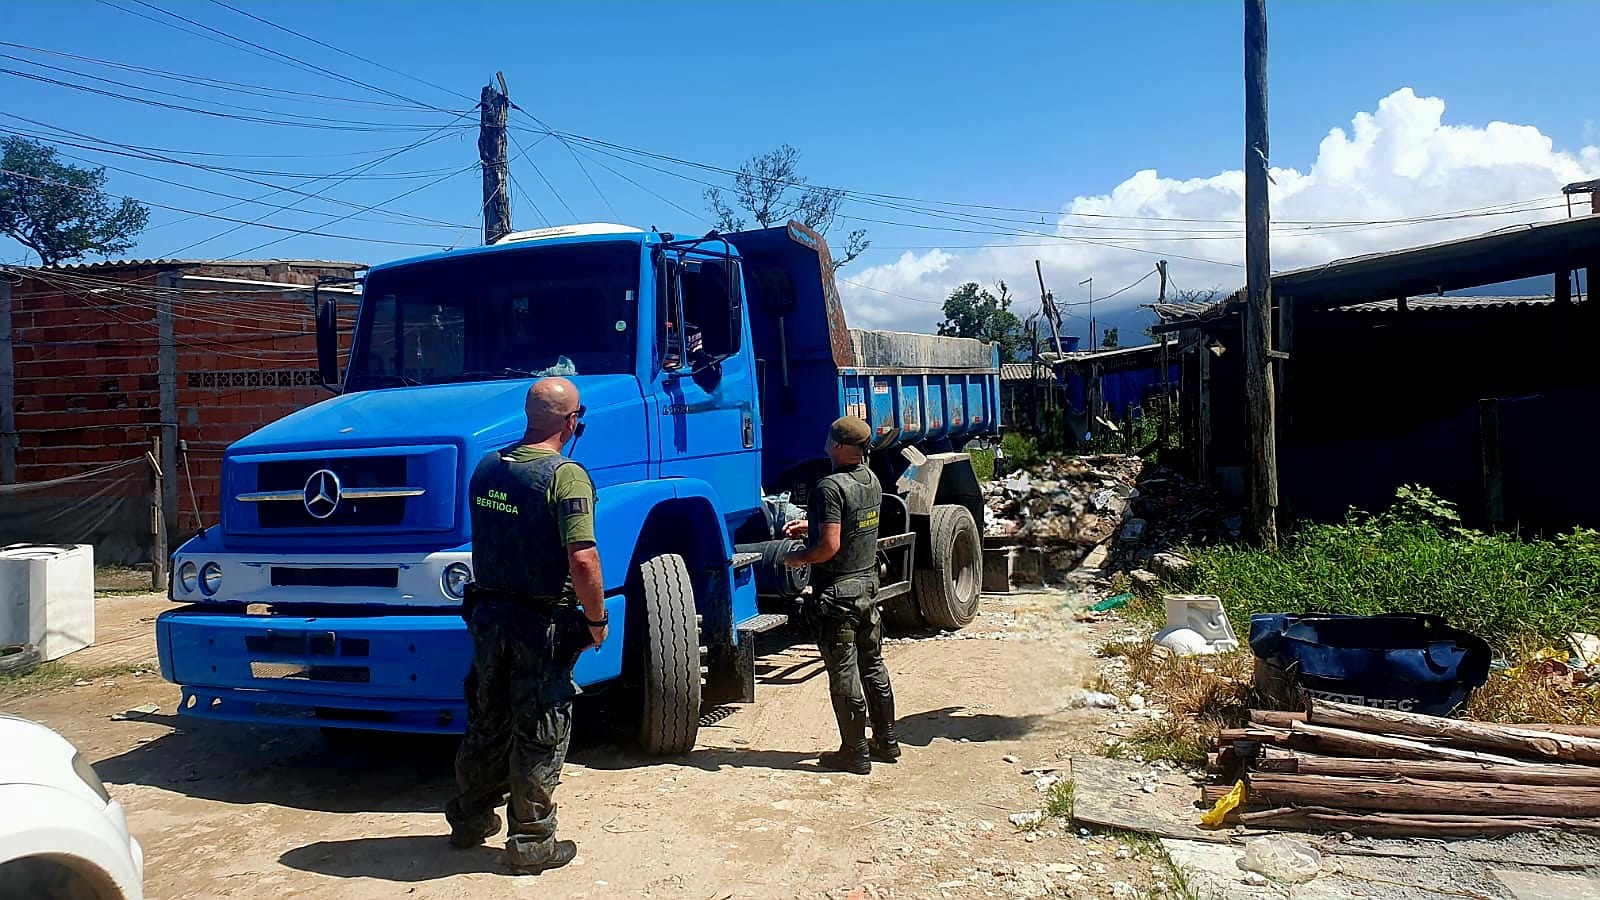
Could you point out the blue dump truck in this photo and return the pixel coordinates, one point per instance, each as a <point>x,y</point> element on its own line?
<point>710,368</point>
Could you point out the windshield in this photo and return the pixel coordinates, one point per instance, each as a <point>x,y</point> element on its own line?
<point>565,310</point>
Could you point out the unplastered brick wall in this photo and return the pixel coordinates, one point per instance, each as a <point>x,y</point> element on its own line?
<point>86,357</point>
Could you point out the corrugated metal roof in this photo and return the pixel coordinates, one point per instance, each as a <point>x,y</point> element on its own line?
<point>1019,372</point>
<point>173,263</point>
<point>1414,304</point>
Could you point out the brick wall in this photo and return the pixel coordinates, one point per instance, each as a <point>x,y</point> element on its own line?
<point>87,387</point>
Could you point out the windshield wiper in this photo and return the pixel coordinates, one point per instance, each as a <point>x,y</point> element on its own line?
<point>486,375</point>
<point>404,380</point>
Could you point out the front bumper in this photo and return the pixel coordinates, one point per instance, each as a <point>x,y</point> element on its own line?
<point>402,672</point>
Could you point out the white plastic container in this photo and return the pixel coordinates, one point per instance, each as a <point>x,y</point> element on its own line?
<point>47,597</point>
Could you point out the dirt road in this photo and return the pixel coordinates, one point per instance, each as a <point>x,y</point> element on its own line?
<point>230,811</point>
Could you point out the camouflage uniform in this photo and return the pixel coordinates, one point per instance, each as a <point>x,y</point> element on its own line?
<point>527,505</point>
<point>845,610</point>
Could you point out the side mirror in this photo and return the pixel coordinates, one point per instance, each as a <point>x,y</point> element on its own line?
<point>328,343</point>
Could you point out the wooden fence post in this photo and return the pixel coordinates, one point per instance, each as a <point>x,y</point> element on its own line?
<point>158,519</point>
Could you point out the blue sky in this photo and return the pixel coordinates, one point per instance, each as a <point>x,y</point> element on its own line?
<point>1026,105</point>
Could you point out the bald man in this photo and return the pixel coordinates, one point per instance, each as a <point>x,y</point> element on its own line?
<point>534,564</point>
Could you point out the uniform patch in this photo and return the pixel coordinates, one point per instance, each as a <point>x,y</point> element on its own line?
<point>576,506</point>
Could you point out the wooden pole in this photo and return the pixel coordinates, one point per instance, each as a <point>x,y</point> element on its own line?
<point>171,289</point>
<point>158,519</point>
<point>1047,304</point>
<point>1272,718</point>
<point>1479,735</point>
<point>1259,399</point>
<point>1434,770</point>
<point>1403,825</point>
<point>8,386</point>
<point>1166,392</point>
<point>492,110</point>
<point>1414,796</point>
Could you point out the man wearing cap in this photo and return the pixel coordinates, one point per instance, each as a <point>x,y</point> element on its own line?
<point>841,532</point>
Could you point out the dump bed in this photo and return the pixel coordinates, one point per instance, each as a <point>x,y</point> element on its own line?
<point>911,388</point>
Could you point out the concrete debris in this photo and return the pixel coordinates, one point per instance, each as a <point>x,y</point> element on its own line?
<point>1030,819</point>
<point>138,712</point>
<point>1135,702</point>
<point>1122,889</point>
<point>1062,502</point>
<point>1093,700</point>
<point>1009,760</point>
<point>1170,565</point>
<point>1144,580</point>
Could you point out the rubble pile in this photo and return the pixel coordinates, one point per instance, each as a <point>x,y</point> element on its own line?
<point>1172,511</point>
<point>1071,501</point>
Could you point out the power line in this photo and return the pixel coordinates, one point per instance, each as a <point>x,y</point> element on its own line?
<point>349,215</point>
<point>345,51</point>
<point>152,203</point>
<point>275,55</point>
<point>258,90</point>
<point>153,157</point>
<point>317,122</point>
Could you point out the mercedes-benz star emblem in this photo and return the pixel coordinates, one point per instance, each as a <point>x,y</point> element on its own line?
<point>321,494</point>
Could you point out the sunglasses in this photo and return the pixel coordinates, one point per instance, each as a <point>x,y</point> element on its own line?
<point>578,412</point>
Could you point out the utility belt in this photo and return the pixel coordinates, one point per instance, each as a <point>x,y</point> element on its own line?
<point>839,596</point>
<point>572,634</point>
<point>475,594</point>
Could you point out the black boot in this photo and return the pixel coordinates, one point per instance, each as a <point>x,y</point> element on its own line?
<point>851,756</point>
<point>884,746</point>
<point>467,837</point>
<point>552,855</point>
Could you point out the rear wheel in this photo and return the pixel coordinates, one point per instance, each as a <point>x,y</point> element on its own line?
<point>947,593</point>
<point>671,664</point>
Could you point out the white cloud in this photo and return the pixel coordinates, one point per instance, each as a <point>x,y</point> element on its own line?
<point>1400,161</point>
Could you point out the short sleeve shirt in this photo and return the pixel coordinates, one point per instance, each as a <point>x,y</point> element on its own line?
<point>571,495</point>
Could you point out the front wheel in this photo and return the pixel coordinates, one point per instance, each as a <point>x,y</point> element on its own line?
<point>947,593</point>
<point>671,663</point>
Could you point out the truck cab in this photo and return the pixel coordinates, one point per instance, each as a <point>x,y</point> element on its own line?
<point>329,594</point>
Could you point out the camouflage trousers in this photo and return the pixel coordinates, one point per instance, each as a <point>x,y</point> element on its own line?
<point>519,723</point>
<point>850,639</point>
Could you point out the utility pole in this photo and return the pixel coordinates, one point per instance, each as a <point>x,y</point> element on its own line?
<point>1259,399</point>
<point>1047,303</point>
<point>492,110</point>
<point>1166,392</point>
<point>1090,282</point>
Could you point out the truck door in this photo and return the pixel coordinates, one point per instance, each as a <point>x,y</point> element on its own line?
<point>705,381</point>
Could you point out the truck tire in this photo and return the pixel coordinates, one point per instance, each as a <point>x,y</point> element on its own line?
<point>671,664</point>
<point>17,660</point>
<point>900,614</point>
<point>947,593</point>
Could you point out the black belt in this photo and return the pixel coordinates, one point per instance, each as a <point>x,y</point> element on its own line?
<point>477,594</point>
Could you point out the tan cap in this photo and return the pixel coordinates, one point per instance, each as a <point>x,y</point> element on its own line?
<point>850,431</point>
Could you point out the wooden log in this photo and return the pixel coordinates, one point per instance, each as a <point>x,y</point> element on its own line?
<point>1338,742</point>
<point>1410,825</point>
<point>1439,770</point>
<point>1271,718</point>
<point>1410,795</point>
<point>1480,735</point>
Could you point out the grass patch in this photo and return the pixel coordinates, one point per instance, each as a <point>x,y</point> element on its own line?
<point>1416,558</point>
<point>58,673</point>
<point>1058,803</point>
<point>1201,694</point>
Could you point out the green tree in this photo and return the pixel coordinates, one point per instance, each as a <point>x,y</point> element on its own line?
<point>974,312</point>
<point>61,211</point>
<point>770,189</point>
<point>1109,339</point>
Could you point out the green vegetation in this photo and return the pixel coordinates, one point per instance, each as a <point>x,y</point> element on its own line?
<point>58,673</point>
<point>1058,803</point>
<point>1417,558</point>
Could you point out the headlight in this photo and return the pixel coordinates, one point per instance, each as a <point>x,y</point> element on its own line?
<point>188,577</point>
<point>210,578</point>
<point>453,581</point>
<point>85,772</point>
